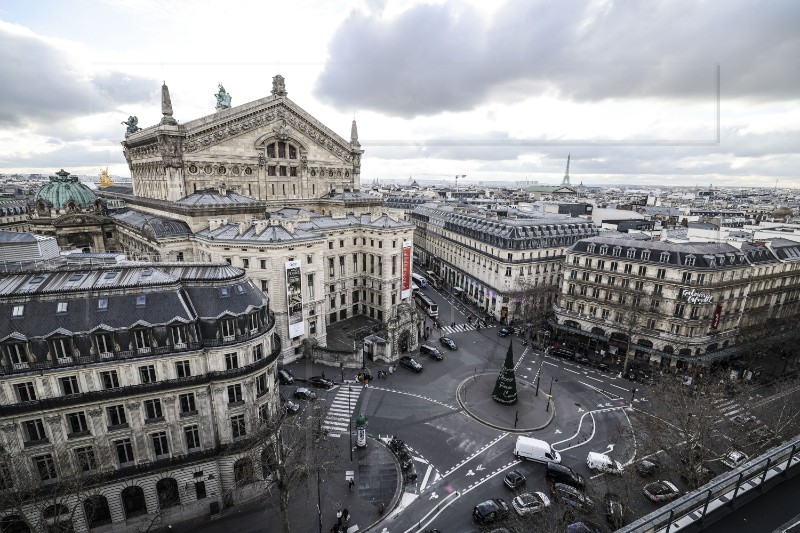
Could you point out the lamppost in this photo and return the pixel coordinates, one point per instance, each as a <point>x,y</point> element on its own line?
<point>550,392</point>
<point>633,394</point>
<point>539,373</point>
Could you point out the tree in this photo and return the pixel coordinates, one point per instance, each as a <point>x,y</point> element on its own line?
<point>291,451</point>
<point>534,302</point>
<point>505,389</point>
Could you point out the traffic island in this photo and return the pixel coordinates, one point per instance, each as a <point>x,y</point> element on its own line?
<point>530,413</point>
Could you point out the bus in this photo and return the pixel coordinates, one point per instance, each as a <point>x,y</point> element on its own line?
<point>427,305</point>
<point>434,280</point>
<point>419,280</point>
<point>414,288</point>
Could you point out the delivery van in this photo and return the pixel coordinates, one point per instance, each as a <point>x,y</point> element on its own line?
<point>535,450</point>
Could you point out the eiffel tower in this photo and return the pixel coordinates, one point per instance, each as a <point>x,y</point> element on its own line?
<point>565,181</point>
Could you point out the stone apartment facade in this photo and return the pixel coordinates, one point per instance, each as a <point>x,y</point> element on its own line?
<point>150,377</point>
<point>674,304</point>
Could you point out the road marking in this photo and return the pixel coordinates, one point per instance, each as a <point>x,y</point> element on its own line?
<point>425,478</point>
<point>557,432</point>
<point>568,370</point>
<point>468,459</point>
<point>617,386</point>
<point>549,363</point>
<point>596,379</point>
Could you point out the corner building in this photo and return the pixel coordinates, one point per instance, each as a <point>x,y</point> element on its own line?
<point>674,304</point>
<point>146,378</point>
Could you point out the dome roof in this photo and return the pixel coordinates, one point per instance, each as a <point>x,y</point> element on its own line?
<point>62,188</point>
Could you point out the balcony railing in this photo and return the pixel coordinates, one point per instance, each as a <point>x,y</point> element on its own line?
<point>136,390</point>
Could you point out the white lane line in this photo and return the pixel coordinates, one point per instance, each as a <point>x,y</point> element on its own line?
<point>617,386</point>
<point>568,370</point>
<point>590,377</point>
<point>549,363</point>
<point>425,478</point>
<point>471,457</point>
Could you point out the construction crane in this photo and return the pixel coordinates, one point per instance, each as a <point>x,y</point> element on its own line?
<point>456,176</point>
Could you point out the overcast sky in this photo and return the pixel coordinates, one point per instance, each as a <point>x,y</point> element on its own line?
<point>650,92</point>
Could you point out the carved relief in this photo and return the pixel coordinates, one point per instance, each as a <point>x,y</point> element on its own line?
<point>9,428</point>
<point>169,400</point>
<point>94,413</point>
<point>53,420</point>
<point>133,406</point>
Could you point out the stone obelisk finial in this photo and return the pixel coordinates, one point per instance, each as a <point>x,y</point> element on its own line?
<point>278,86</point>
<point>354,135</point>
<point>166,106</point>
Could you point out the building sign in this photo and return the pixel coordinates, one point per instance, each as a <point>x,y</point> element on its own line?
<point>717,315</point>
<point>405,284</point>
<point>694,297</point>
<point>294,299</point>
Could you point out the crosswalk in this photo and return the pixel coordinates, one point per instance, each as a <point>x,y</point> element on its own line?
<point>460,328</point>
<point>341,410</point>
<point>729,408</point>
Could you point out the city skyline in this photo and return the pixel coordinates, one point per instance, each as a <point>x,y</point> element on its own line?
<point>656,95</point>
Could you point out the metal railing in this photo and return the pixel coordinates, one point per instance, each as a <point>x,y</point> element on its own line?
<point>720,492</point>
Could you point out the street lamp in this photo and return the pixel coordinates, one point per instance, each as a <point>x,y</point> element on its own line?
<point>539,373</point>
<point>633,394</point>
<point>550,392</point>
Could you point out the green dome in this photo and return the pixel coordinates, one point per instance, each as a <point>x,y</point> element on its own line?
<point>63,188</point>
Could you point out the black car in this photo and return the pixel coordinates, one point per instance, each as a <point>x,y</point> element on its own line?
<point>602,367</point>
<point>572,497</point>
<point>647,467</point>
<point>514,480</point>
<point>490,511</point>
<point>303,393</point>
<point>583,361</point>
<point>409,362</point>
<point>319,382</point>
<point>434,353</point>
<point>448,342</point>
<point>505,331</point>
<point>559,473</point>
<point>615,511</point>
<point>564,353</point>
<point>285,377</point>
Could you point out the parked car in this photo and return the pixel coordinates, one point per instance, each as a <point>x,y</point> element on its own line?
<point>530,503</point>
<point>745,421</point>
<point>734,459</point>
<point>514,480</point>
<point>661,491</point>
<point>290,406</point>
<point>490,511</point>
<point>647,467</point>
<point>572,497</point>
<point>564,353</point>
<point>302,393</point>
<point>615,511</point>
<point>433,352</point>
<point>602,367</point>
<point>601,462</point>
<point>583,361</point>
<point>559,473</point>
<point>584,527</point>
<point>409,362</point>
<point>448,342</point>
<point>320,382</point>
<point>285,377</point>
<point>505,331</point>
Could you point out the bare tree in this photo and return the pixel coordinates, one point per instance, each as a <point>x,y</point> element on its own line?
<point>533,302</point>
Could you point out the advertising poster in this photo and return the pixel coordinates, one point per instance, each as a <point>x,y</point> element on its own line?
<point>717,315</point>
<point>405,283</point>
<point>294,299</point>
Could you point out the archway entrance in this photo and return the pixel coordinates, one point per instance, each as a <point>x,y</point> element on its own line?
<point>404,341</point>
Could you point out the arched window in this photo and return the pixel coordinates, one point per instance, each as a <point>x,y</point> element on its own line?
<point>168,495</point>
<point>243,471</point>
<point>133,502</point>
<point>97,511</point>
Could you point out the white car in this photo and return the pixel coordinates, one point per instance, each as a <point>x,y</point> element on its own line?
<point>734,459</point>
<point>530,503</point>
<point>603,463</point>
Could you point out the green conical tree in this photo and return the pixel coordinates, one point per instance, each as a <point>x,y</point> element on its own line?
<point>505,390</point>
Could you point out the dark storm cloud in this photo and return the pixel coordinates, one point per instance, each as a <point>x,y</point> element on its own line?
<point>446,58</point>
<point>40,84</point>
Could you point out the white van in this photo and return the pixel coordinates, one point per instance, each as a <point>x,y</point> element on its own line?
<point>603,463</point>
<point>535,450</point>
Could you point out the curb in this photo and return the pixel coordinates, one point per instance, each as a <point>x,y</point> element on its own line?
<point>495,426</point>
<point>398,493</point>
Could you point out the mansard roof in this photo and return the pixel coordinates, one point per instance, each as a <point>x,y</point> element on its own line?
<point>700,254</point>
<point>215,197</point>
<point>161,227</point>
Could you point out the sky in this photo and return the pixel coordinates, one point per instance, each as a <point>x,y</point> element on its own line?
<point>655,93</point>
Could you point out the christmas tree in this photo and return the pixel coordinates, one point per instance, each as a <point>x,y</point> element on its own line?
<point>505,390</point>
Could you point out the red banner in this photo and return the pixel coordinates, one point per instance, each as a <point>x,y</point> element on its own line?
<point>406,279</point>
<point>717,315</point>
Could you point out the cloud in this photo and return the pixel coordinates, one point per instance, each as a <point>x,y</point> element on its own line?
<point>42,83</point>
<point>435,58</point>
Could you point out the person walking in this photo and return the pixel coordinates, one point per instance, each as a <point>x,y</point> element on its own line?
<point>339,519</point>
<point>345,516</point>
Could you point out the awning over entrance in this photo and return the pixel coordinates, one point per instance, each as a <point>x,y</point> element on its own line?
<point>577,331</point>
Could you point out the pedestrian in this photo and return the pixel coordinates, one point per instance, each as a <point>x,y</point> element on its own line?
<point>345,516</point>
<point>351,484</point>
<point>338,519</point>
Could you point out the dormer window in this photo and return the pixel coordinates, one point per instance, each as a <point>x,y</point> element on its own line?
<point>141,300</point>
<point>147,273</point>
<point>604,249</point>
<point>75,277</point>
<point>590,248</point>
<point>60,347</point>
<point>223,292</point>
<point>646,255</point>
<point>239,289</point>
<point>102,304</point>
<point>631,253</point>
<point>61,307</point>
<point>689,260</point>
<point>16,354</point>
<point>617,251</point>
<point>664,258</point>
<point>18,310</point>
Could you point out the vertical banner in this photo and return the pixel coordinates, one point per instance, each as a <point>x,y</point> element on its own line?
<point>405,283</point>
<point>294,299</point>
<point>717,315</point>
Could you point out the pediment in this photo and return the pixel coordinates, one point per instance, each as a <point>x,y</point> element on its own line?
<point>273,118</point>
<point>77,219</point>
